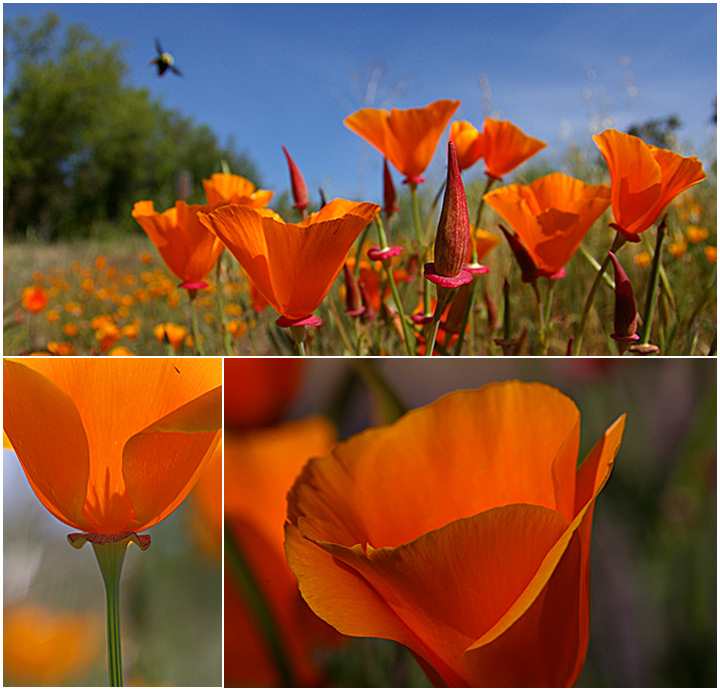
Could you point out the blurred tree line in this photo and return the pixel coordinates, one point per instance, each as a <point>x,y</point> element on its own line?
<point>80,146</point>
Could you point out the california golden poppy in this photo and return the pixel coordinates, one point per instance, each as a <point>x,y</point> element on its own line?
<point>644,179</point>
<point>226,187</point>
<point>468,142</point>
<point>506,146</point>
<point>34,299</point>
<point>461,531</point>
<point>292,265</point>
<point>112,445</point>
<point>186,246</point>
<point>260,466</point>
<point>407,138</point>
<point>551,216</point>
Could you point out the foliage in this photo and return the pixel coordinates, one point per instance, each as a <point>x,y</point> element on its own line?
<point>81,146</point>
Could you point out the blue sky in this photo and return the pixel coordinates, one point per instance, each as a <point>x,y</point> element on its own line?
<point>274,74</point>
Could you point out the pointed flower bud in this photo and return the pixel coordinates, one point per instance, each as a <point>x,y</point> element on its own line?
<point>453,233</point>
<point>388,192</point>
<point>299,190</point>
<point>353,299</point>
<point>626,317</point>
<point>522,256</point>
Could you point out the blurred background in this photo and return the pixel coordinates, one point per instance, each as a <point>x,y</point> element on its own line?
<point>654,569</point>
<point>54,601</point>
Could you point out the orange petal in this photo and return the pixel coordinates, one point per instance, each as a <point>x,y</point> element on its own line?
<point>506,147</point>
<point>46,431</point>
<point>456,444</point>
<point>162,462</point>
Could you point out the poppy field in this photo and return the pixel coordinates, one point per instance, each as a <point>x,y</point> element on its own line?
<point>618,258</point>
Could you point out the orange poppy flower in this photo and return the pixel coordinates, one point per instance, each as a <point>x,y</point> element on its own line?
<point>292,265</point>
<point>45,648</point>
<point>188,249</point>
<point>407,138</point>
<point>644,180</point>
<point>226,187</point>
<point>260,466</point>
<point>461,531</point>
<point>468,142</point>
<point>34,299</point>
<point>506,146</point>
<point>551,216</point>
<point>89,433</point>
<point>259,390</point>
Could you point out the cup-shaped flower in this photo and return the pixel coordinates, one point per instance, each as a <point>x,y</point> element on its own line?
<point>644,179</point>
<point>453,232</point>
<point>461,531</point>
<point>226,187</point>
<point>506,146</point>
<point>34,299</point>
<point>551,216</point>
<point>186,246</point>
<point>468,142</point>
<point>260,466</point>
<point>407,138</point>
<point>292,265</point>
<point>112,445</point>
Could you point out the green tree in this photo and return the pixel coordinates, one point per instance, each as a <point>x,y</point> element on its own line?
<point>80,146</point>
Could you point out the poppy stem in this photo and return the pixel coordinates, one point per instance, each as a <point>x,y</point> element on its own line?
<point>259,606</point>
<point>651,298</point>
<point>443,298</point>
<point>226,336</point>
<point>617,244</point>
<point>466,318</point>
<point>481,205</point>
<point>195,329</point>
<point>299,335</point>
<point>416,215</point>
<point>387,265</point>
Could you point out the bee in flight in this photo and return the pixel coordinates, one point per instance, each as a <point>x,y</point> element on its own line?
<point>164,61</point>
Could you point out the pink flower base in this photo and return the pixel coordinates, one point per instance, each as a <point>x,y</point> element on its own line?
<point>193,285</point>
<point>312,321</point>
<point>379,253</point>
<point>447,281</point>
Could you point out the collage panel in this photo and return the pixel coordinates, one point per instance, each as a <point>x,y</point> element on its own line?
<point>412,522</point>
<point>120,459</point>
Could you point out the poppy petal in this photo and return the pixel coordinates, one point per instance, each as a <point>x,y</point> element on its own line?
<point>46,431</point>
<point>162,463</point>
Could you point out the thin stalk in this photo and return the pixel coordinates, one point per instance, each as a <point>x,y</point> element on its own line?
<point>651,297</point>
<point>195,329</point>
<point>416,214</point>
<point>363,236</point>
<point>341,329</point>
<point>466,317</point>
<point>226,335</point>
<point>398,304</point>
<point>596,265</point>
<point>481,205</point>
<point>444,295</point>
<point>617,244</point>
<point>258,605</point>
<point>298,334</point>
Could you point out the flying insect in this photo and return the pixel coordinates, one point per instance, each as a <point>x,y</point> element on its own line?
<point>164,61</point>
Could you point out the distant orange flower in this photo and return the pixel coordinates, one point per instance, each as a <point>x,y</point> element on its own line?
<point>186,246</point>
<point>506,146</point>
<point>34,299</point>
<point>407,138</point>
<point>93,463</point>
<point>468,142</point>
<point>45,648</point>
<point>260,466</point>
<point>711,253</point>
<point>644,180</point>
<point>174,333</point>
<point>461,531</point>
<point>292,265</point>
<point>226,187</point>
<point>550,216</point>
<point>484,243</point>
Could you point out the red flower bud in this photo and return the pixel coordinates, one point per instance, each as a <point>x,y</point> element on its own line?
<point>299,190</point>
<point>453,233</point>
<point>353,299</point>
<point>626,317</point>
<point>388,192</point>
<point>524,260</point>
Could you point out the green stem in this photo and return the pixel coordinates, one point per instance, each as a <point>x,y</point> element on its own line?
<point>488,185</point>
<point>363,236</point>
<point>466,316</point>
<point>258,605</point>
<point>396,297</point>
<point>444,295</point>
<point>195,329</point>
<point>226,336</point>
<point>651,297</point>
<point>416,215</point>
<point>298,334</point>
<point>617,244</point>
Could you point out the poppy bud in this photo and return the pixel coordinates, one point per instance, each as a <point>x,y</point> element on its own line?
<point>625,311</point>
<point>524,260</point>
<point>368,311</point>
<point>299,190</point>
<point>388,192</point>
<point>453,233</point>
<point>353,299</point>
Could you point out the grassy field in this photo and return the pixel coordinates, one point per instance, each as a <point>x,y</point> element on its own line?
<point>105,295</point>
